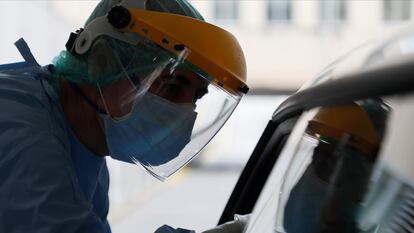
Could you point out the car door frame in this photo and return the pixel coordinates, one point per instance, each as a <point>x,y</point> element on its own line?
<point>379,81</point>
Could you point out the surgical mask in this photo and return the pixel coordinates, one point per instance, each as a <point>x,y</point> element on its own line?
<point>153,133</point>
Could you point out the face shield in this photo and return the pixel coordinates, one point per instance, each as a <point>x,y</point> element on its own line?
<point>163,94</point>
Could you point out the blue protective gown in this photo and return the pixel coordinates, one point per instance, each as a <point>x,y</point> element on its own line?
<point>49,181</point>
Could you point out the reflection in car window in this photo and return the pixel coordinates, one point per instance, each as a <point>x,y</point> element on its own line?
<point>324,188</point>
<point>335,172</point>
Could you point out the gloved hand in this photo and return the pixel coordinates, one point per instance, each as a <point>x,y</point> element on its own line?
<point>235,226</point>
<point>168,229</point>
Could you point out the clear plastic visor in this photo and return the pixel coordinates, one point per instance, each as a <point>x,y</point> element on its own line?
<point>157,109</point>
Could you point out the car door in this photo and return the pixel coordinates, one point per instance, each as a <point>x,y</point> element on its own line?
<point>258,183</point>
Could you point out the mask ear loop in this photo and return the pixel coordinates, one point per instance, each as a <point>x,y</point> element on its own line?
<point>88,100</point>
<point>108,113</point>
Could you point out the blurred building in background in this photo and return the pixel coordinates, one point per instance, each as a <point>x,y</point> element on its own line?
<point>286,42</point>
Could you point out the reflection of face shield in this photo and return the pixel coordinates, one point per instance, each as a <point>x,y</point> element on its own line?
<point>326,197</point>
<point>160,115</point>
<point>340,145</point>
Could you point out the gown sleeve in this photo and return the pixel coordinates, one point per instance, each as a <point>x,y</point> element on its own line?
<point>38,186</point>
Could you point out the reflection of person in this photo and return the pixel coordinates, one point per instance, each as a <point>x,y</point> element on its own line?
<point>127,86</point>
<point>327,196</point>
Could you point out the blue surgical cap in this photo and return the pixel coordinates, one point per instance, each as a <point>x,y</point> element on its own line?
<point>75,68</point>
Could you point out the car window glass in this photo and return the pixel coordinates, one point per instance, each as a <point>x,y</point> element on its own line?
<point>321,180</point>
<point>261,220</point>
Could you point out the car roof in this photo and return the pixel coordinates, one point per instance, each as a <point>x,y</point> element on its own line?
<point>382,79</point>
<point>376,52</point>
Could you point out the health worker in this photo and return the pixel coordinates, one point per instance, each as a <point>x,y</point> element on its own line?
<point>147,82</point>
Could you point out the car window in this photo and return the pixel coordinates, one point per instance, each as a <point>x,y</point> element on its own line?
<point>322,180</point>
<point>262,219</point>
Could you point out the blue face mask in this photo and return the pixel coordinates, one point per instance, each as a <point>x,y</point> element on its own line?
<point>153,134</point>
